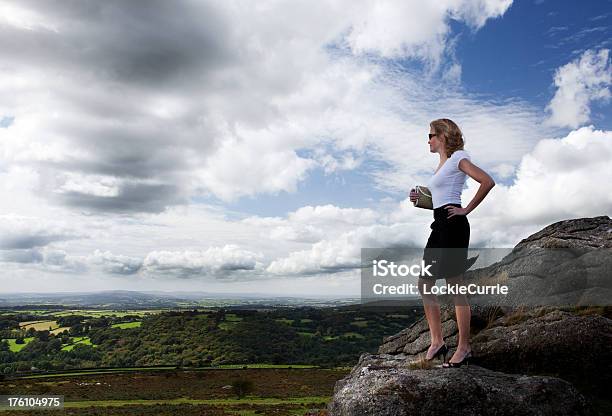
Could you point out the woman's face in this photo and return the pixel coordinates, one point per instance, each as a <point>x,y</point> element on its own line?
<point>435,142</point>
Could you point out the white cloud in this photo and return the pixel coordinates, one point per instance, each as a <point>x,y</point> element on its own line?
<point>310,224</point>
<point>115,264</point>
<point>343,251</point>
<point>226,261</point>
<point>22,232</point>
<point>579,83</point>
<point>414,28</point>
<point>559,179</point>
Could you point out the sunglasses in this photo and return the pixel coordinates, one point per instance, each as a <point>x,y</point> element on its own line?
<point>431,135</point>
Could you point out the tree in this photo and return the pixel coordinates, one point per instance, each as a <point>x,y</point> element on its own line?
<point>242,386</point>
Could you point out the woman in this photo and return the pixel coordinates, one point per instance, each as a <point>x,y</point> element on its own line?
<point>447,245</point>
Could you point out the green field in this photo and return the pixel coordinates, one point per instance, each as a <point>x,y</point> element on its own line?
<point>352,334</point>
<point>75,341</point>
<point>18,347</point>
<point>116,370</point>
<point>127,325</point>
<point>230,317</point>
<point>227,325</point>
<point>221,402</point>
<point>277,390</point>
<point>96,313</point>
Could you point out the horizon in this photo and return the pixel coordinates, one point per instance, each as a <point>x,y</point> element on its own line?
<point>236,294</point>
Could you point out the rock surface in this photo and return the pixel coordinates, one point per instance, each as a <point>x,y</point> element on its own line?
<point>566,263</point>
<point>564,343</point>
<point>382,385</point>
<point>574,347</point>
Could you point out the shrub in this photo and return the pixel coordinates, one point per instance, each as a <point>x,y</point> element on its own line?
<point>242,386</point>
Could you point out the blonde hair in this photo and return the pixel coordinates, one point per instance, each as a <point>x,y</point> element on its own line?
<point>453,138</point>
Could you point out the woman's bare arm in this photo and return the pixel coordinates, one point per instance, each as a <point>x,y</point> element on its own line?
<point>480,176</point>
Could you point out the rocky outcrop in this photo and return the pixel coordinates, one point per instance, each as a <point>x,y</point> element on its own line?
<point>544,341</point>
<point>576,348</point>
<point>555,349</point>
<point>566,263</point>
<point>383,385</point>
<point>579,233</point>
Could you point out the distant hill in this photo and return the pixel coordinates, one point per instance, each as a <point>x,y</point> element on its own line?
<point>146,300</point>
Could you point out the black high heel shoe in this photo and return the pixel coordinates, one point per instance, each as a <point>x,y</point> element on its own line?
<point>443,350</point>
<point>465,360</point>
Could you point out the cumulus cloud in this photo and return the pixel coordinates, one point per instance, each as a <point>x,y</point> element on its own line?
<point>310,224</point>
<point>24,233</point>
<point>25,256</point>
<point>224,261</point>
<point>415,29</point>
<point>343,252</point>
<point>58,260</point>
<point>115,264</point>
<point>579,83</point>
<point>559,179</point>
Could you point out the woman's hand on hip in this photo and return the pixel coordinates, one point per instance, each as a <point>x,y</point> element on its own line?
<point>452,211</point>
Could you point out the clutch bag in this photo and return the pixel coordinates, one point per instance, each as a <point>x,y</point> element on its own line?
<point>424,198</point>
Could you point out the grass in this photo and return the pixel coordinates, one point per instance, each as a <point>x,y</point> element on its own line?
<point>18,347</point>
<point>523,313</point>
<point>108,312</point>
<point>218,402</point>
<point>285,321</point>
<point>75,341</point>
<point>352,335</point>
<point>421,364</point>
<point>592,310</point>
<point>230,366</point>
<point>227,325</point>
<point>164,368</point>
<point>38,325</point>
<point>491,314</point>
<point>60,330</point>
<point>329,337</point>
<point>127,325</point>
<point>360,324</point>
<point>98,372</point>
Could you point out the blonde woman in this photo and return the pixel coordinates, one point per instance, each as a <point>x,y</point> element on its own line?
<point>448,243</point>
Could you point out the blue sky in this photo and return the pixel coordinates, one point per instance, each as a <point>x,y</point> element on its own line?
<point>258,146</point>
<point>515,56</point>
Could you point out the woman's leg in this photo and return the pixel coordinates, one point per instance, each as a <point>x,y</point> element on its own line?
<point>456,240</point>
<point>432,314</point>
<point>463,314</point>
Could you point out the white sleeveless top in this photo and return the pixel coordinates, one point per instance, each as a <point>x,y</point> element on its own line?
<point>447,183</point>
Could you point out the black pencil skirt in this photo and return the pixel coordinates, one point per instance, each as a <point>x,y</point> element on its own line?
<point>447,247</point>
